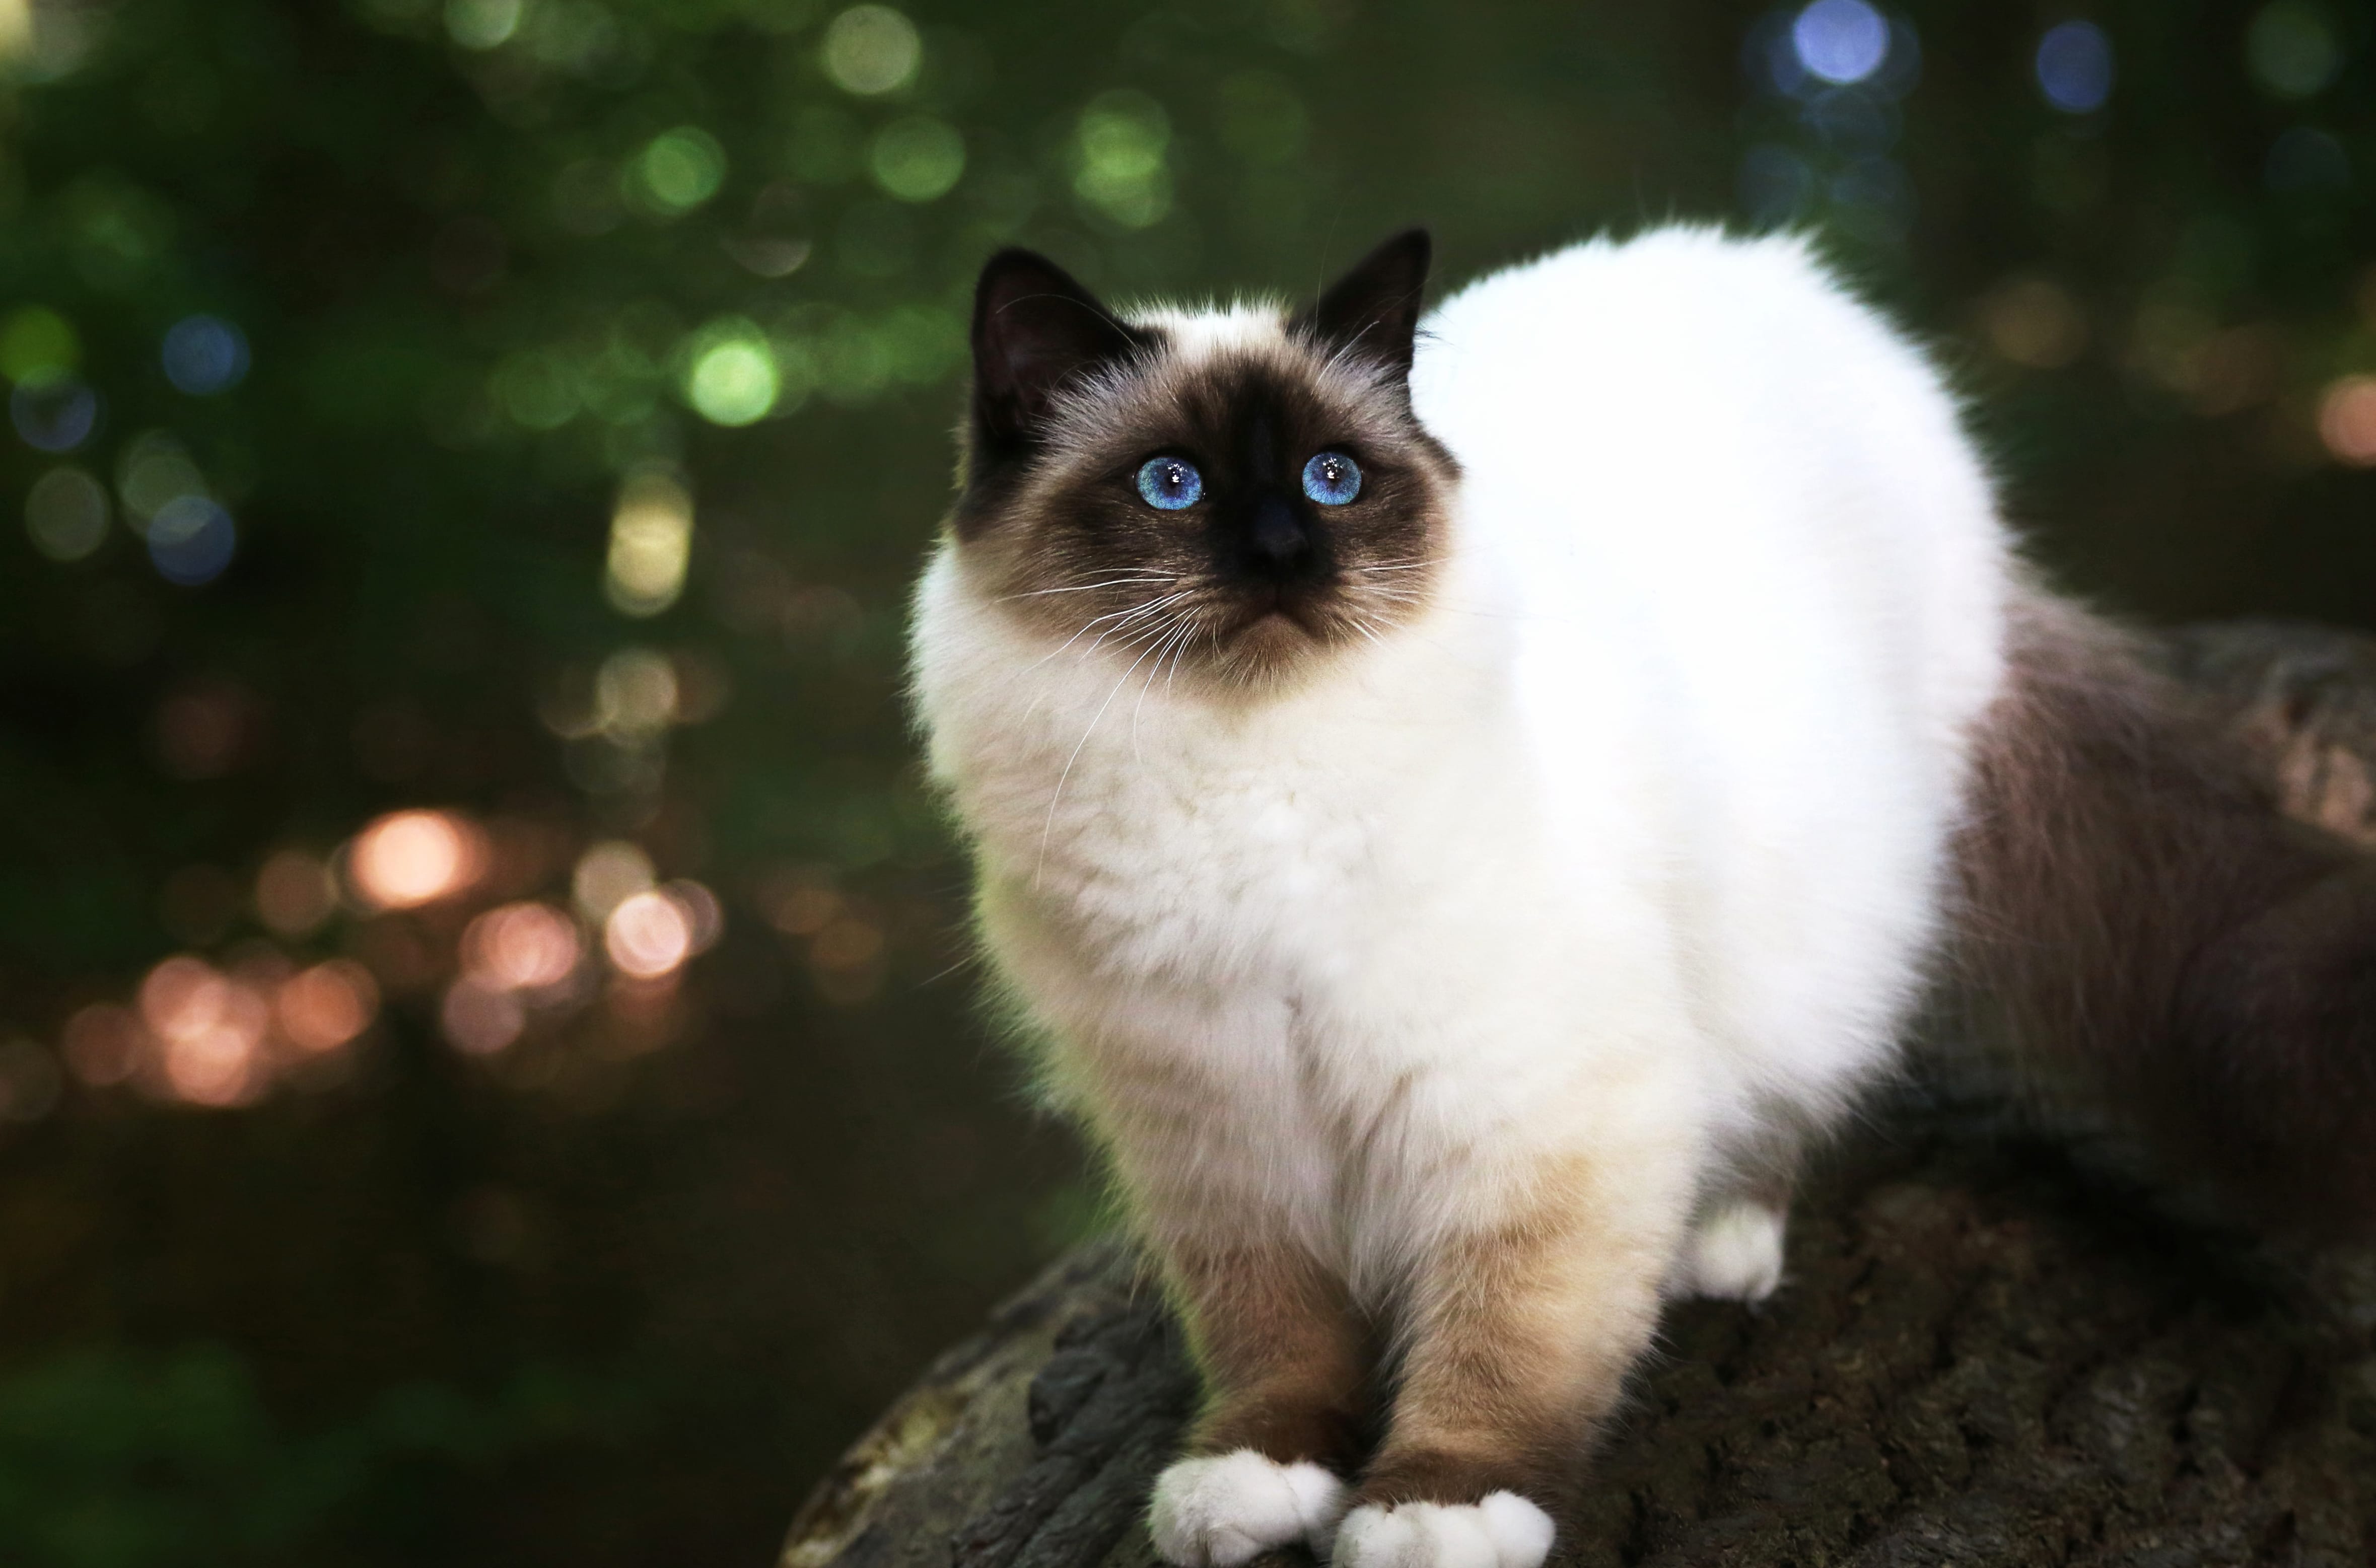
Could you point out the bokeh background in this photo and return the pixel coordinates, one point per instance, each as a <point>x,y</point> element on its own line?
<point>487,1063</point>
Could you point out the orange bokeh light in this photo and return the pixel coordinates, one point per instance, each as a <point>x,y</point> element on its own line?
<point>104,1043</point>
<point>184,997</point>
<point>525,947</point>
<point>327,1005</point>
<point>2346,419</point>
<point>409,858</point>
<point>648,935</point>
<point>704,916</point>
<point>211,1029</point>
<point>481,1019</point>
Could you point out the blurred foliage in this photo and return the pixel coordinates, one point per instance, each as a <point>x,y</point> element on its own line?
<point>112,1459</point>
<point>534,410</point>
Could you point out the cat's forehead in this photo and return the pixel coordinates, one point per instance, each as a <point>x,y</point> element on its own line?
<point>1242,327</point>
<point>1206,369</point>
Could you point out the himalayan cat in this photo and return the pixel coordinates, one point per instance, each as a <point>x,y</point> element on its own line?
<point>1463,802</point>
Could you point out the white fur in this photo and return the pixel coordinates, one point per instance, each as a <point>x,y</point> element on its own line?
<point>1736,1253</point>
<point>1219,1512</point>
<point>1631,846</point>
<point>1499,1530</point>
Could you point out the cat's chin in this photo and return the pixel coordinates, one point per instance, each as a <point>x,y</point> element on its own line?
<point>1271,645</point>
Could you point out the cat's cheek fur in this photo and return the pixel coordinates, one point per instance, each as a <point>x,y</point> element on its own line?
<point>1229,1508</point>
<point>1499,1530</point>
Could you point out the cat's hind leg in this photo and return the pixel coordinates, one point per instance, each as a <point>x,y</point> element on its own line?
<point>1735,1253</point>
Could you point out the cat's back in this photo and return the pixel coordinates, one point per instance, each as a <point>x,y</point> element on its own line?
<point>1672,322</point>
<point>1706,447</point>
<point>1747,546</point>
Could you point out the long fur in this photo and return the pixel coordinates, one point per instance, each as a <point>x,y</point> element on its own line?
<point>1456,973</point>
<point>2154,949</point>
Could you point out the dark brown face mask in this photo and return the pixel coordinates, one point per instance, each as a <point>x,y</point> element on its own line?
<point>1240,503</point>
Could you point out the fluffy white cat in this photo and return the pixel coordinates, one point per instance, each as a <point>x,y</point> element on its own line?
<point>1458,805</point>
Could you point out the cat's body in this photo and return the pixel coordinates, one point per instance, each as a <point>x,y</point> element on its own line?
<point>1449,917</point>
<point>1567,816</point>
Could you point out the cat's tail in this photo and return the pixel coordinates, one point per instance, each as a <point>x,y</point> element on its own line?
<point>2149,941</point>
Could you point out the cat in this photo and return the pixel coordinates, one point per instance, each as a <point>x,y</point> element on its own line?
<point>1461,808</point>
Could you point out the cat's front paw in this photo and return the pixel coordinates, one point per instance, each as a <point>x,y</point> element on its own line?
<point>1502,1530</point>
<point>1219,1512</point>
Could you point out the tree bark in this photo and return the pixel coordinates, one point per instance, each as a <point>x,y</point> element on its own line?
<point>1983,1352</point>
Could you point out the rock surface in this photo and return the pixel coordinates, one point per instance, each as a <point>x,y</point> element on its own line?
<point>1982,1353</point>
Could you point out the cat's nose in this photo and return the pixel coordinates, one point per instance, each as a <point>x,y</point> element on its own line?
<point>1280,539</point>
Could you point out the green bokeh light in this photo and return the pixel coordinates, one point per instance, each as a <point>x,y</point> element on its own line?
<point>482,24</point>
<point>871,49</point>
<point>918,159</point>
<point>36,344</point>
<point>678,169</point>
<point>730,377</point>
<point>1119,169</point>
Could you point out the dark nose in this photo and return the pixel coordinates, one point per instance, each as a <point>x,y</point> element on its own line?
<point>1279,542</point>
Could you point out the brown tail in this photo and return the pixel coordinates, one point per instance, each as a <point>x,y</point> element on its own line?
<point>2151,938</point>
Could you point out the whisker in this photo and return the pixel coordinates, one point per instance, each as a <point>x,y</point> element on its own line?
<point>1084,631</point>
<point>1179,658</point>
<point>1047,829</point>
<point>1153,610</point>
<point>1178,629</point>
<point>1089,587</point>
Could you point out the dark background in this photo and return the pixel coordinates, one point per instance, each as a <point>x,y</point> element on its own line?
<point>400,298</point>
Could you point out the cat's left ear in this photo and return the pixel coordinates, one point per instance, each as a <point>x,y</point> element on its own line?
<point>1372,311</point>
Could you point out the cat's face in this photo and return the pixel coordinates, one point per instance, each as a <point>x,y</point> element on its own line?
<point>1227,496</point>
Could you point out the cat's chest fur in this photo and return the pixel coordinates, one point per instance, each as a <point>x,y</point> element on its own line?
<point>1275,848</point>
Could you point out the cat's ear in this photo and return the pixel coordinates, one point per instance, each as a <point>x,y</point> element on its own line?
<point>1035,329</point>
<point>1372,311</point>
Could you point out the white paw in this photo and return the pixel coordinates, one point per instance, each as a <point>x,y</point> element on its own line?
<point>1504,1530</point>
<point>1736,1253</point>
<point>1219,1512</point>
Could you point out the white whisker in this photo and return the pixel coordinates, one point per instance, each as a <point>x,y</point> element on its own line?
<point>1084,631</point>
<point>1091,588</point>
<point>1179,629</point>
<point>1049,827</point>
<point>1145,611</point>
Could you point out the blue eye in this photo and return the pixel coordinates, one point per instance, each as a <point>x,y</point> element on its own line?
<point>1170,483</point>
<point>1332,479</point>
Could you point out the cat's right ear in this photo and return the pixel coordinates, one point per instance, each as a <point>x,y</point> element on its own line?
<point>1372,311</point>
<point>1035,329</point>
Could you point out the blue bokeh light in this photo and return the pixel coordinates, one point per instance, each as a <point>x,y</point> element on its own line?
<point>191,540</point>
<point>56,414</point>
<point>2074,68</point>
<point>1769,55</point>
<point>204,355</point>
<point>1840,41</point>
